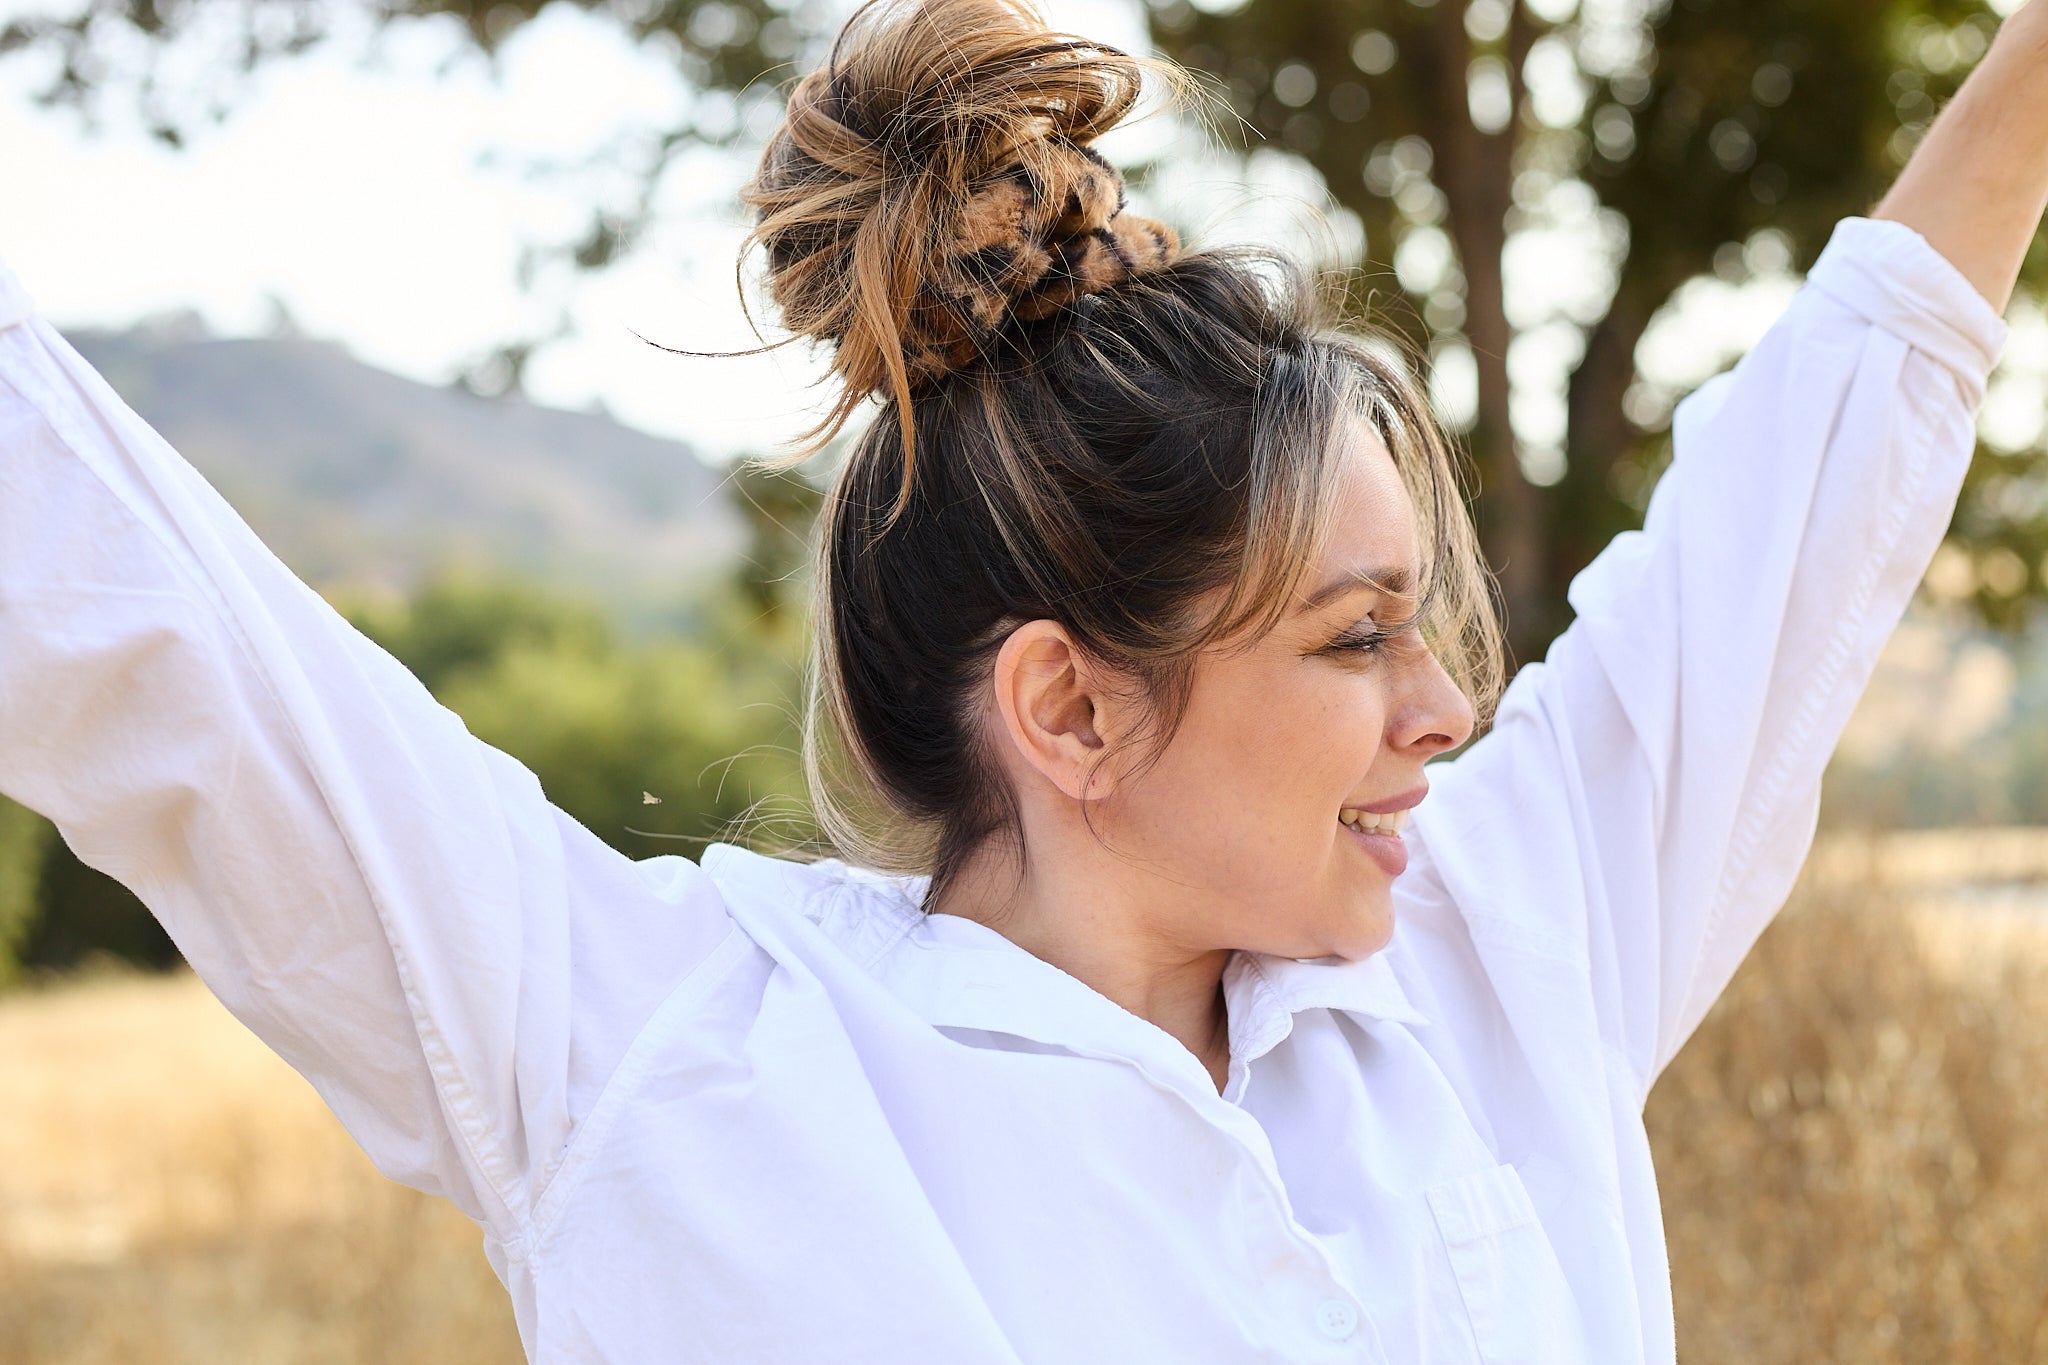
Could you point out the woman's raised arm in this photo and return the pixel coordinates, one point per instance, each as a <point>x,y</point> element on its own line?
<point>390,904</point>
<point>1977,185</point>
<point>1648,793</point>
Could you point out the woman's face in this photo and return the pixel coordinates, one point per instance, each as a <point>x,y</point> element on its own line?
<point>1252,809</point>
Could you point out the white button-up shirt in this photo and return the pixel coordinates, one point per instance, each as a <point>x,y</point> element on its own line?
<point>764,1111</point>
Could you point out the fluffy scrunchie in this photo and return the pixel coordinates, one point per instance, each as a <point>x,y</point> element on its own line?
<point>1032,240</point>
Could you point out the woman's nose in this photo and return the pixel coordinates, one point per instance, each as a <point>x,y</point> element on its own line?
<point>1436,716</point>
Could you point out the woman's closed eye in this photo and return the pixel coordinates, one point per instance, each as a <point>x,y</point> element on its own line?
<point>1371,638</point>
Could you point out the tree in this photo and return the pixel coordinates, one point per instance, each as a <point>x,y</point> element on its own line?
<point>25,840</point>
<point>1692,125</point>
<point>1670,134</point>
<point>655,746</point>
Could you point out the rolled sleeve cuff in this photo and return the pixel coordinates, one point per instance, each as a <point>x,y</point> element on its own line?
<point>1886,273</point>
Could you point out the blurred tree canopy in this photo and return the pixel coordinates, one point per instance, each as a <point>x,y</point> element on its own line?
<point>1668,134</point>
<point>24,839</point>
<point>1669,139</point>
<point>656,746</point>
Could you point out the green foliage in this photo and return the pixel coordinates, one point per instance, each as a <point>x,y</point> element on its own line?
<point>84,915</point>
<point>25,837</point>
<point>461,622</point>
<point>605,724</point>
<point>55,912</point>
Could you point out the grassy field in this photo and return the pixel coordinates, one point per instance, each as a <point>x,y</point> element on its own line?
<point>170,1192</point>
<point>1853,1150</point>
<point>1853,1154</point>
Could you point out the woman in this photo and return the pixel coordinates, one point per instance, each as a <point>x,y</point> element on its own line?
<point>1143,605</point>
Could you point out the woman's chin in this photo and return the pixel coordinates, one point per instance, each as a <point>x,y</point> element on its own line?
<point>1358,934</point>
<point>1365,947</point>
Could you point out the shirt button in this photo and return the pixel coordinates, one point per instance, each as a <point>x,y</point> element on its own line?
<point>1336,1319</point>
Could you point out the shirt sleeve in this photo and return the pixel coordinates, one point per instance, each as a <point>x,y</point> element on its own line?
<point>392,905</point>
<point>1648,792</point>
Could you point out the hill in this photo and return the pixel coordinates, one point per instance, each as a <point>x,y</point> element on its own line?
<point>355,475</point>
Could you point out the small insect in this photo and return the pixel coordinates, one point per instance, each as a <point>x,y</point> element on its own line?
<point>649,799</point>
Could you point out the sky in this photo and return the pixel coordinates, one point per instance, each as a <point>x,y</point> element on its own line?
<point>382,202</point>
<point>377,191</point>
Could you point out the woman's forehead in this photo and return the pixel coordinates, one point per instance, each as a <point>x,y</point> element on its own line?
<point>1371,526</point>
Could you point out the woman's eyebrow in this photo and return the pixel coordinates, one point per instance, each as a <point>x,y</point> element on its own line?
<point>1394,582</point>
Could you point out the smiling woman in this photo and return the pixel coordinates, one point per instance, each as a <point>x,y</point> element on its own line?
<point>1242,826</point>
<point>1166,1019</point>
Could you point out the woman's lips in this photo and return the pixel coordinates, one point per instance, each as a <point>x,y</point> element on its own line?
<point>1384,848</point>
<point>1407,800</point>
<point>1377,828</point>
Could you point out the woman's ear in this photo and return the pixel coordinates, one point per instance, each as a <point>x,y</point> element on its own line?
<point>1055,708</point>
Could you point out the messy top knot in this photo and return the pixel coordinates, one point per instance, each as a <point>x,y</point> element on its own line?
<point>933,182</point>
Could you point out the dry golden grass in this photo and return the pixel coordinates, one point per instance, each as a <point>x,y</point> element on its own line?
<point>1853,1151</point>
<point>1853,1154</point>
<point>171,1192</point>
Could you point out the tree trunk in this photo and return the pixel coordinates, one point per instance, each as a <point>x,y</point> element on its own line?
<point>1475,171</point>
<point>1587,509</point>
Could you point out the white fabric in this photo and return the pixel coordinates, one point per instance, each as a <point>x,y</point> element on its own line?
<point>757,1111</point>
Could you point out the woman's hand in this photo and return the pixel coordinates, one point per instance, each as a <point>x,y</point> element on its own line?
<point>1977,185</point>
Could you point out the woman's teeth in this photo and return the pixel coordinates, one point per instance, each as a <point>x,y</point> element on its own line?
<point>1393,822</point>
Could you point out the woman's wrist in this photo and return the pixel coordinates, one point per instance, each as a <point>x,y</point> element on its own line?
<point>1976,187</point>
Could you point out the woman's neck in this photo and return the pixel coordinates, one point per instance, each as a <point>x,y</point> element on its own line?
<point>1083,915</point>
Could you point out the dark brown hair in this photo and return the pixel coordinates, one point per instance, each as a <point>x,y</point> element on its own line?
<point>1148,465</point>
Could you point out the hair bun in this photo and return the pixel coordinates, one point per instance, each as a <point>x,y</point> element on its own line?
<point>934,181</point>
<point>1042,235</point>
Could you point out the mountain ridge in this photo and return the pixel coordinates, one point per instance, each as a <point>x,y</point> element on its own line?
<point>353,475</point>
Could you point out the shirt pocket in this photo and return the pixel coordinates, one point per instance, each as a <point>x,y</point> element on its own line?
<point>1513,1288</point>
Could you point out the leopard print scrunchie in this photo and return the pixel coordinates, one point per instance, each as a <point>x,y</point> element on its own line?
<point>932,183</point>
<point>1031,241</point>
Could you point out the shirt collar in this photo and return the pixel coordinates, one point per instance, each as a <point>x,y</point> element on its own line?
<point>957,973</point>
<point>1264,993</point>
